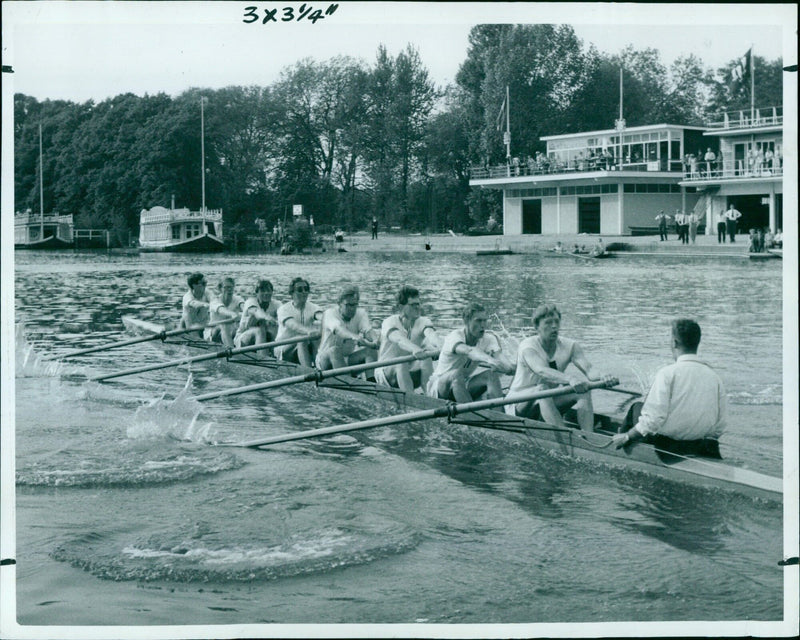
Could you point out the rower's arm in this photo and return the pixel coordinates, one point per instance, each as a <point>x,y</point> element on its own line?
<point>295,326</point>
<point>656,406</point>
<point>536,364</point>
<point>404,343</point>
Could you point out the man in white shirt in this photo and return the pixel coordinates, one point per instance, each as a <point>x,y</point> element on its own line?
<point>226,306</point>
<point>541,363</point>
<point>686,409</point>
<point>297,318</point>
<point>259,322</point>
<point>732,216</point>
<point>407,332</point>
<point>347,337</point>
<point>470,360</point>
<point>196,303</point>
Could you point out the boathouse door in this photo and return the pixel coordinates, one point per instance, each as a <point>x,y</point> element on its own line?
<point>588,215</point>
<point>531,216</point>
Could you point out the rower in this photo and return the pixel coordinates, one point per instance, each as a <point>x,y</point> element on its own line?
<point>541,361</point>
<point>196,303</point>
<point>407,331</point>
<point>297,318</point>
<point>470,360</point>
<point>225,306</point>
<point>347,334</point>
<point>259,322</point>
<point>686,409</point>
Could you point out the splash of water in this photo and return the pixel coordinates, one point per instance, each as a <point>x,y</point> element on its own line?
<point>177,419</point>
<point>30,364</point>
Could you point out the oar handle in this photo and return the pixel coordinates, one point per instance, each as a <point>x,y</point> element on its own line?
<point>447,410</point>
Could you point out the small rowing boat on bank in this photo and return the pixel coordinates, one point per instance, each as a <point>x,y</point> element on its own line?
<point>571,442</point>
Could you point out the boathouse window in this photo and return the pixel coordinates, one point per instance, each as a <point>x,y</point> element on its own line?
<point>176,232</point>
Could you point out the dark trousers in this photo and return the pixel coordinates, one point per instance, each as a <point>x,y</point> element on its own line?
<point>731,229</point>
<point>662,231</point>
<point>685,233</point>
<point>721,231</point>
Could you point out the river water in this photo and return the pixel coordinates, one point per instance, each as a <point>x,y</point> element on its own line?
<point>127,516</point>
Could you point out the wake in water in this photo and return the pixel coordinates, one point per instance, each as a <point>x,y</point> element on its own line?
<point>177,419</point>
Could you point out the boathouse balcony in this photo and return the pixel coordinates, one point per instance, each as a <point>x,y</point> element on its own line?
<point>750,148</point>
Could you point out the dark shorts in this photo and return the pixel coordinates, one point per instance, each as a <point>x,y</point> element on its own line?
<point>705,447</point>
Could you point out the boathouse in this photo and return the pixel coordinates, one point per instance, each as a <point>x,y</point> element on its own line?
<point>612,182</point>
<point>748,171</point>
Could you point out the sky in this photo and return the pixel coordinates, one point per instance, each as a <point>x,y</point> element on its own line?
<point>94,50</point>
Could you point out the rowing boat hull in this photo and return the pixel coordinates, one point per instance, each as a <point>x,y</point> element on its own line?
<point>572,442</point>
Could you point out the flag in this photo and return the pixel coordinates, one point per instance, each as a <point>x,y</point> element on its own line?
<point>740,74</point>
<point>500,115</point>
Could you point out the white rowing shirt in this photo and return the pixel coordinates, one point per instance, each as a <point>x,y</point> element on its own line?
<point>359,324</point>
<point>234,305</point>
<point>305,316</point>
<point>526,379</point>
<point>393,323</point>
<point>195,310</point>
<point>249,320</point>
<point>449,360</point>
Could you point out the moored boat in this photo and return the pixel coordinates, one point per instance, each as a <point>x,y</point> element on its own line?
<point>43,231</point>
<point>180,230</point>
<point>570,442</point>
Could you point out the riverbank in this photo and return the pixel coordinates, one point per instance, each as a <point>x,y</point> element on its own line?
<point>705,245</point>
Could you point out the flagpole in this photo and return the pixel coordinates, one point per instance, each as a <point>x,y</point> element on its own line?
<point>752,85</point>
<point>508,128</point>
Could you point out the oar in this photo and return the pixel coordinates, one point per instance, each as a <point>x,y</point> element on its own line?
<point>447,410</point>
<point>163,335</point>
<point>224,353</point>
<point>316,376</point>
<point>630,392</point>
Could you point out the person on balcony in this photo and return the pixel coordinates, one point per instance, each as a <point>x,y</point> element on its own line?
<point>710,158</point>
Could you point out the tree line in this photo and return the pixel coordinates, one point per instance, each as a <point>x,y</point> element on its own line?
<point>350,140</point>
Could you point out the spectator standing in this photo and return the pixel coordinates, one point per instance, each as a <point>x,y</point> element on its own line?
<point>693,222</point>
<point>374,228</point>
<point>721,228</point>
<point>732,216</point>
<point>662,219</point>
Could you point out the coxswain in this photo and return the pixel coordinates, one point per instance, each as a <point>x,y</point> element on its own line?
<point>297,318</point>
<point>225,306</point>
<point>407,332</point>
<point>347,336</point>
<point>686,409</point>
<point>470,361</point>
<point>541,362</point>
<point>259,322</point>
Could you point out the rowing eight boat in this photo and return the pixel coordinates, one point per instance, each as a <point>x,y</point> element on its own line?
<point>571,442</point>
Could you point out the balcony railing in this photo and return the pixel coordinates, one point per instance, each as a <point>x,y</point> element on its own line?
<point>743,119</point>
<point>552,169</point>
<point>715,172</point>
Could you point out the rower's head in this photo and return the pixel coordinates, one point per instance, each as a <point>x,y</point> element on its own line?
<point>475,319</point>
<point>264,292</point>
<point>408,302</point>
<point>685,336</point>
<point>226,288</point>
<point>547,321</point>
<point>197,284</point>
<point>298,289</point>
<point>348,302</point>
